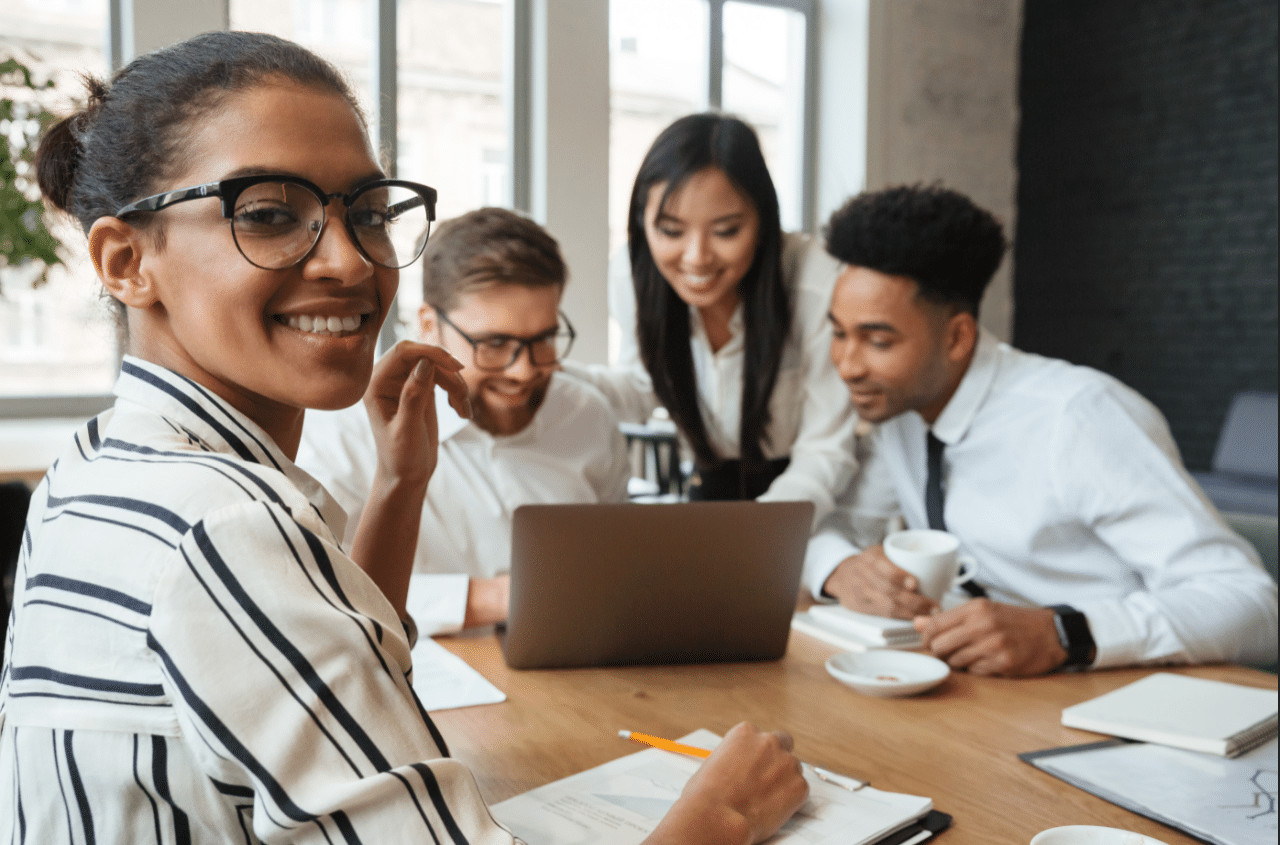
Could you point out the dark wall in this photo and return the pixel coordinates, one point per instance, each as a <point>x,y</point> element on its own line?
<point>1146,240</point>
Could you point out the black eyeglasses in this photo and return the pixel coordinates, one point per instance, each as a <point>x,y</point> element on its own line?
<point>497,352</point>
<point>276,220</point>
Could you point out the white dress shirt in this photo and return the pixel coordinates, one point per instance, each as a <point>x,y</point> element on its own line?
<point>1066,487</point>
<point>193,658</point>
<point>571,452</point>
<point>811,420</point>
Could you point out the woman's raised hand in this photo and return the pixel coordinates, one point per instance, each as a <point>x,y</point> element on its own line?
<point>401,406</point>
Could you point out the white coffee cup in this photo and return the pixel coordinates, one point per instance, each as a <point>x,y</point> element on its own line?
<point>932,556</point>
<point>1084,834</point>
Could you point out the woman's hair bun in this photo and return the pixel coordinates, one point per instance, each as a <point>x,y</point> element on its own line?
<point>58,156</point>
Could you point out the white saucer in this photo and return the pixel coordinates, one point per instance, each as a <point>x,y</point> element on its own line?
<point>1090,835</point>
<point>887,674</point>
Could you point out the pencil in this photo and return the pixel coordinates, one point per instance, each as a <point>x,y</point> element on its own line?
<point>665,744</point>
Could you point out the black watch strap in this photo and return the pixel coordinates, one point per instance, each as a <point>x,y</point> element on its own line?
<point>1074,635</point>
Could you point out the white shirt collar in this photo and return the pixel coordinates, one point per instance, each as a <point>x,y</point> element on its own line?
<point>975,385</point>
<point>219,427</point>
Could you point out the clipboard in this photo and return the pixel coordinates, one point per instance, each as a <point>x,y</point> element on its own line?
<point>1224,801</point>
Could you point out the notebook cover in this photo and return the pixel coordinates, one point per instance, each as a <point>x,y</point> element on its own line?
<point>1182,711</point>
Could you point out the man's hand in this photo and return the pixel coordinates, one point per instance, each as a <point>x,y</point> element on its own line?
<point>488,600</point>
<point>749,786</point>
<point>870,583</point>
<point>989,638</point>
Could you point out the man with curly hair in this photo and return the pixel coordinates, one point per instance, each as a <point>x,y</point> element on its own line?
<point>1093,545</point>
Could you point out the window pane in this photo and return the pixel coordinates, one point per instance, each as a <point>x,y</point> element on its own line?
<point>56,338</point>
<point>451,111</point>
<point>339,30</point>
<point>763,83</point>
<point>657,73</point>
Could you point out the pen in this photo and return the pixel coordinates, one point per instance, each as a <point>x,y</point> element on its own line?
<point>842,781</point>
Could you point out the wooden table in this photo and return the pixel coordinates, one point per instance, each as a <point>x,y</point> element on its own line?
<point>957,744</point>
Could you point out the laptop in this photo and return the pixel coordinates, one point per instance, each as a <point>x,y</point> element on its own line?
<point>689,582</point>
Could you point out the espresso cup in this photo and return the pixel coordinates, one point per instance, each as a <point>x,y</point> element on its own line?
<point>1079,834</point>
<point>933,557</point>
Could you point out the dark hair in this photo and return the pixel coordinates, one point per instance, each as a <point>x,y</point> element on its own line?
<point>485,247</point>
<point>935,236</point>
<point>130,135</point>
<point>692,144</point>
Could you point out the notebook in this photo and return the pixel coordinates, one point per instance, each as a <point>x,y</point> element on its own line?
<point>622,801</point>
<point>863,628</point>
<point>1183,711</point>
<point>692,582</point>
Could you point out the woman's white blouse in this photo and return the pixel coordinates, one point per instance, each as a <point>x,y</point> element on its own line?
<point>193,658</point>
<point>811,418</point>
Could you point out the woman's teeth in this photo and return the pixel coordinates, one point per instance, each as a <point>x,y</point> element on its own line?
<point>324,325</point>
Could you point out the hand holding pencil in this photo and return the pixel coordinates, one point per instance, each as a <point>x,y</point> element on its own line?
<point>747,788</point>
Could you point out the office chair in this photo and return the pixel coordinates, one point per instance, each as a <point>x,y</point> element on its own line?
<point>1243,478</point>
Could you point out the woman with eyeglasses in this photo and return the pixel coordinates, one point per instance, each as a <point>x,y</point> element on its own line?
<point>193,657</point>
<point>723,320</point>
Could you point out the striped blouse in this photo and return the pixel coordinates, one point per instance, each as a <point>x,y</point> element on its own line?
<point>193,659</point>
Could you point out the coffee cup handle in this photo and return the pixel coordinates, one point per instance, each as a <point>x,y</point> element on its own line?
<point>968,569</point>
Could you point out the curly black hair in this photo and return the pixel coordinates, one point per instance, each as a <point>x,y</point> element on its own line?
<point>935,236</point>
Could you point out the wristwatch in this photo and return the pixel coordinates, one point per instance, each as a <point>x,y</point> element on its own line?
<point>1074,636</point>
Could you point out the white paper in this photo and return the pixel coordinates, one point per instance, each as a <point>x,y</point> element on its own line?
<point>443,680</point>
<point>1227,801</point>
<point>621,802</point>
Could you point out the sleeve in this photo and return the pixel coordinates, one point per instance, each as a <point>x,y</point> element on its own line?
<point>613,469</point>
<point>437,601</point>
<point>289,674</point>
<point>865,512</point>
<point>822,459</point>
<point>625,384</point>
<point>1204,597</point>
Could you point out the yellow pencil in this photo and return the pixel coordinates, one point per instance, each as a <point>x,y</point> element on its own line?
<point>665,744</point>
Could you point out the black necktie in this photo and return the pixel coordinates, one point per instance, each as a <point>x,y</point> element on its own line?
<point>933,498</point>
<point>933,484</point>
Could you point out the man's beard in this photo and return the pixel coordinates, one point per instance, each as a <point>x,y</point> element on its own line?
<point>508,421</point>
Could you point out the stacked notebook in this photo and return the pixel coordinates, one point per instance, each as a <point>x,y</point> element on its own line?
<point>1182,711</point>
<point>855,631</point>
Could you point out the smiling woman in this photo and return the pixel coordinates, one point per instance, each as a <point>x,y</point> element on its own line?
<point>194,657</point>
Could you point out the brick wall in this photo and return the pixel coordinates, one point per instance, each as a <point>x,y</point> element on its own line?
<point>1146,243</point>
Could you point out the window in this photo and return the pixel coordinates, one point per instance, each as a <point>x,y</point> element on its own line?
<point>452,122</point>
<point>57,338</point>
<point>750,58</point>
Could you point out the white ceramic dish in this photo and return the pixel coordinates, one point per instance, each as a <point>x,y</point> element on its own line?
<point>887,674</point>
<point>1081,834</point>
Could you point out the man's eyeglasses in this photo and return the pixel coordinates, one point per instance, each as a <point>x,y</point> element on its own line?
<point>276,220</point>
<point>497,352</point>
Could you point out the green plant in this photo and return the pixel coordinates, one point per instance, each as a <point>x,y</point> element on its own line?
<point>23,118</point>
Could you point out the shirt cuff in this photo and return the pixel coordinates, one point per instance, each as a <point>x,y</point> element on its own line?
<point>826,551</point>
<point>438,602</point>
<point>1116,640</point>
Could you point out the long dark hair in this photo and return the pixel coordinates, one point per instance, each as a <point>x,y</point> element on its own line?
<point>691,144</point>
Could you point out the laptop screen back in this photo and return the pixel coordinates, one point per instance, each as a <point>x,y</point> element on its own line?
<point>697,582</point>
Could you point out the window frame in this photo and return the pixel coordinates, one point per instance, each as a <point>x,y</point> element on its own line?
<point>809,122</point>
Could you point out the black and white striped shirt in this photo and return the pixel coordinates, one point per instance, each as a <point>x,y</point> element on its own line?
<point>193,659</point>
